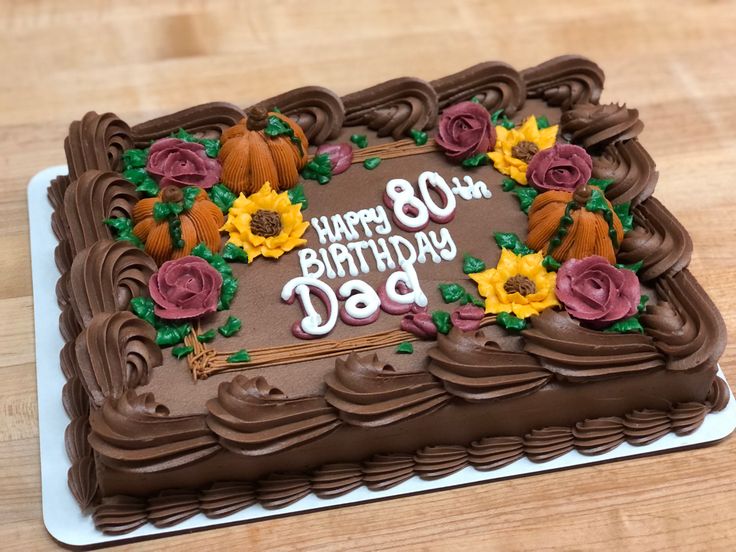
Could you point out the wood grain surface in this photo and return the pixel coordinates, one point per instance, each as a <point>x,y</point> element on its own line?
<point>674,61</point>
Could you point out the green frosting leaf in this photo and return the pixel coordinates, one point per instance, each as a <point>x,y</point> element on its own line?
<point>625,216</point>
<point>597,201</point>
<point>296,195</point>
<point>475,99</point>
<point>643,300</point>
<point>319,169</point>
<point>163,210</point>
<point>442,321</point>
<point>452,292</point>
<point>227,292</point>
<point>471,264</point>
<point>231,326</point>
<point>420,137</point>
<point>509,240</point>
<point>148,187</point>
<point>550,263</point>
<point>405,348</point>
<point>526,196</point>
<point>190,194</point>
<point>222,197</point>
<point>241,356</point>
<point>510,322</point>
<point>360,140</point>
<point>505,121</point>
<point>632,267</point>
<point>475,161</point>
<point>135,158</point>
<point>143,182</point>
<point>603,184</point>
<point>627,325</point>
<point>143,307</point>
<point>234,254</point>
<point>371,163</point>
<point>542,122</point>
<point>276,127</point>
<point>229,282</point>
<point>168,335</point>
<point>181,351</point>
<point>508,184</point>
<point>470,298</point>
<point>123,229</point>
<point>207,336</point>
<point>211,145</point>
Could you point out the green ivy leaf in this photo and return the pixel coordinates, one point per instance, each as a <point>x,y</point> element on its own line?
<point>601,183</point>
<point>241,356</point>
<point>632,267</point>
<point>405,348</point>
<point>550,263</point>
<point>123,229</point>
<point>137,175</point>
<point>207,336</point>
<point>470,298</point>
<point>319,169</point>
<point>371,163</point>
<point>643,300</point>
<point>452,292</point>
<point>231,326</point>
<point>542,122</point>
<point>234,254</point>
<point>148,187</point>
<point>625,216</point>
<point>182,134</point>
<point>420,137</point>
<point>495,116</point>
<point>442,321</point>
<point>471,264</point>
<point>222,197</point>
<point>211,146</point>
<point>190,194</point>
<point>510,322</point>
<point>135,158</point>
<point>597,201</point>
<point>475,161</point>
<point>296,195</point>
<point>143,307</point>
<point>161,210</point>
<point>227,292</point>
<point>180,351</point>
<point>476,99</point>
<point>360,140</point>
<point>509,240</point>
<point>627,325</point>
<point>168,335</point>
<point>508,184</point>
<point>526,196</point>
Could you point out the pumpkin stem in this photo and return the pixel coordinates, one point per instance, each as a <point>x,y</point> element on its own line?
<point>257,118</point>
<point>582,194</point>
<point>172,194</point>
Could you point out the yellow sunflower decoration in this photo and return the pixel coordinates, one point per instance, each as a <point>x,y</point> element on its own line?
<point>515,147</point>
<point>519,284</point>
<point>265,223</point>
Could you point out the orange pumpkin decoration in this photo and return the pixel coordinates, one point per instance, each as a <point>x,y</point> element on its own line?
<point>250,157</point>
<point>583,233</point>
<point>199,224</point>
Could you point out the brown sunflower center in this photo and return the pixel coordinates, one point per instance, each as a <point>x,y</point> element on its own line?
<point>519,284</point>
<point>524,150</point>
<point>265,223</point>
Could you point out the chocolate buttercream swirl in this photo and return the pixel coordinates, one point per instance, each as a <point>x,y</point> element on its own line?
<point>598,435</point>
<point>208,120</point>
<point>718,395</point>
<point>596,126</point>
<point>494,84</point>
<point>393,108</point>
<point>119,514</point>
<point>658,240</point>
<point>68,360</point>
<point>642,427</point>
<point>115,352</point>
<point>82,481</point>
<point>92,198</point>
<point>685,324</point>
<point>225,498</point>
<point>317,110</point>
<point>75,399</point>
<point>279,490</point>
<point>70,329</point>
<point>369,393</point>
<point>687,417</point>
<point>134,433</point>
<point>475,367</point>
<point>171,507</point>
<point>252,418</point>
<point>565,81</point>
<point>333,480</point>
<point>96,142</point>
<point>106,276</point>
<point>62,254</point>
<point>491,453</point>
<point>384,471</point>
<point>438,461</point>
<point>542,445</point>
<point>75,439</point>
<point>578,354</point>
<point>631,168</point>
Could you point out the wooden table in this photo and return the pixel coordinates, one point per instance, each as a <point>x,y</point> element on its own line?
<point>674,61</point>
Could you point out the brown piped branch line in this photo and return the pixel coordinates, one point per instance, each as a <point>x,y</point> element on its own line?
<point>391,150</point>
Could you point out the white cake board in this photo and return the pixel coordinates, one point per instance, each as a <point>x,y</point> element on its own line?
<point>61,514</point>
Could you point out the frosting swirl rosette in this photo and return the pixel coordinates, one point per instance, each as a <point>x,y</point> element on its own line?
<point>465,130</point>
<point>175,162</point>
<point>596,292</point>
<point>561,167</point>
<point>185,288</point>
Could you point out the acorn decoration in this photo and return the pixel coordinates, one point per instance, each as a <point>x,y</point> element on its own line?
<point>265,146</point>
<point>574,225</point>
<point>176,220</point>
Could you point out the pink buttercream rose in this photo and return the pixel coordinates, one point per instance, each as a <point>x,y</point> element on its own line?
<point>561,167</point>
<point>467,318</point>
<point>420,324</point>
<point>185,288</point>
<point>465,130</point>
<point>175,162</point>
<point>340,156</point>
<point>596,292</point>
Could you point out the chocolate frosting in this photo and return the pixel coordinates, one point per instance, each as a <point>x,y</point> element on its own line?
<point>542,445</point>
<point>578,354</point>
<point>439,461</point>
<point>134,433</point>
<point>333,480</point>
<point>491,453</point>
<point>393,108</point>
<point>225,498</point>
<point>718,395</point>
<point>630,167</point>
<point>642,427</point>
<point>172,507</point>
<point>106,276</point>
<point>62,254</point>
<point>482,365</point>
<point>384,471</point>
<point>494,84</point>
<point>206,119</point>
<point>687,417</point>
<point>114,353</point>
<point>252,418</point>
<point>70,329</point>
<point>117,515</point>
<point>370,393</point>
<point>685,324</point>
<point>82,481</point>
<point>317,110</point>
<point>92,198</point>
<point>278,490</point>
<point>565,81</point>
<point>598,435</point>
<point>596,126</point>
<point>658,239</point>
<point>96,142</point>
<point>75,439</point>
<point>75,399</point>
